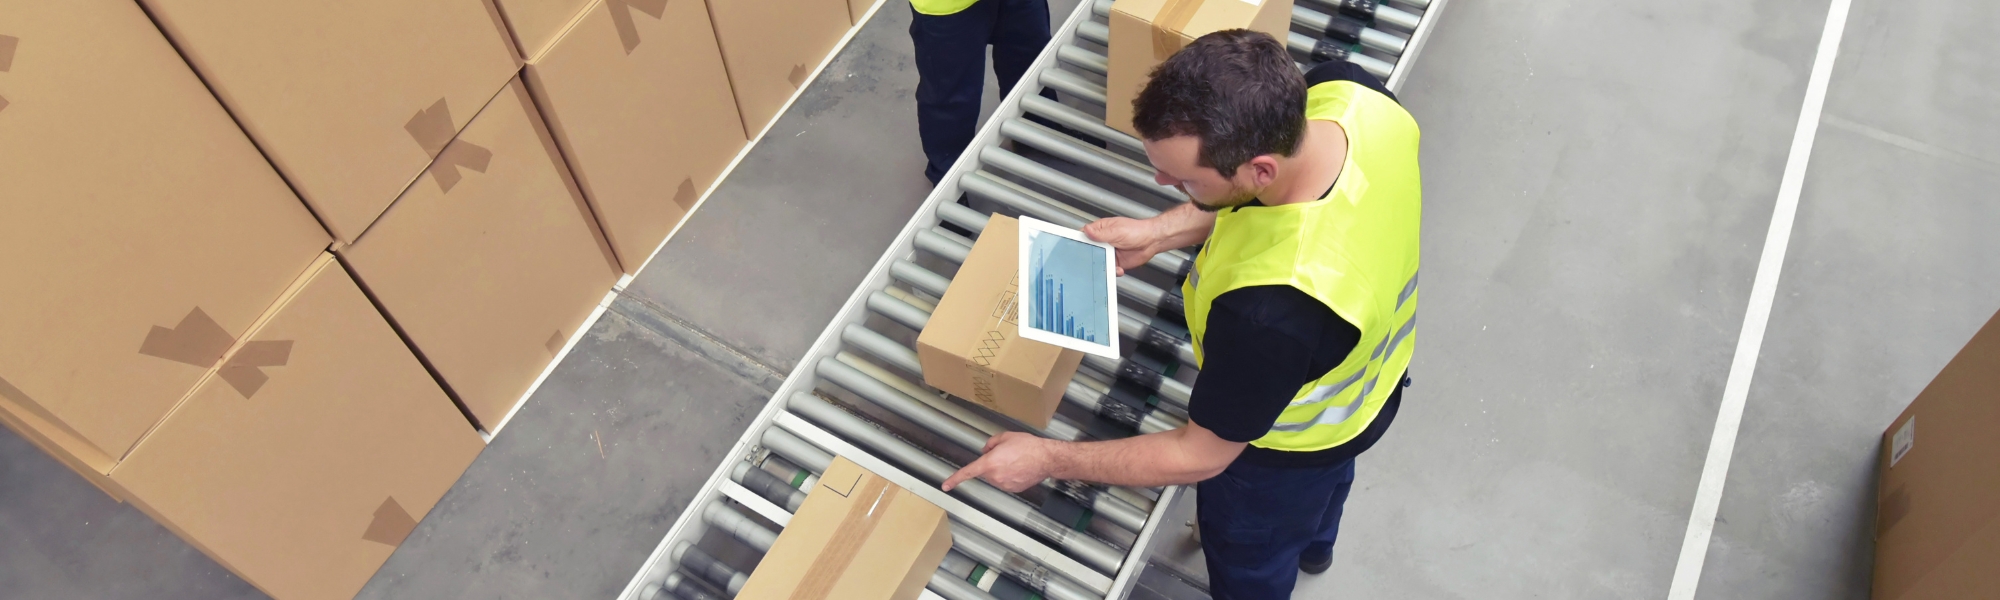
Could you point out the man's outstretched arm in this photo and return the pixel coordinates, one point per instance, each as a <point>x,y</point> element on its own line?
<point>1015,461</point>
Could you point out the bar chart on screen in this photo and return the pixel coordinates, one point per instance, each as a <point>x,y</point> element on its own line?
<point>1067,287</point>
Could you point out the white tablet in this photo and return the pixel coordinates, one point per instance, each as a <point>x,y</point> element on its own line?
<point>1069,289</point>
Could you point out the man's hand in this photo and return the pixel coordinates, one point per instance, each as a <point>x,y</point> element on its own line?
<point>1013,461</point>
<point>1136,240</point>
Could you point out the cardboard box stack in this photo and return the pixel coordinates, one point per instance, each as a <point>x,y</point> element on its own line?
<point>1937,522</point>
<point>771,47</point>
<point>857,536</point>
<point>491,261</point>
<point>1145,32</point>
<point>351,100</point>
<point>640,104</point>
<point>254,251</point>
<point>972,347</point>
<point>187,344</point>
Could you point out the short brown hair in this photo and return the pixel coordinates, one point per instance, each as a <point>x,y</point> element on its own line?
<point>1237,90</point>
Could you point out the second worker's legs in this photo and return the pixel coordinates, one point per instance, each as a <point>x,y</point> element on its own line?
<point>1020,33</point>
<point>951,78</point>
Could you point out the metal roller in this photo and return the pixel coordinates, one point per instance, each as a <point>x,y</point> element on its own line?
<point>1074,85</point>
<point>1348,30</point>
<point>1326,50</point>
<point>1111,508</point>
<point>1089,61</point>
<point>1137,174</point>
<point>1090,550</point>
<point>1074,119</point>
<point>967,540</point>
<point>1065,183</point>
<point>770,487</point>
<point>705,566</point>
<point>676,586</point>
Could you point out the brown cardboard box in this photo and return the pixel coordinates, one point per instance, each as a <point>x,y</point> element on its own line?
<point>771,47</point>
<point>491,261</point>
<point>640,105</point>
<point>856,9</point>
<point>142,230</point>
<point>1145,32</point>
<point>349,99</point>
<point>857,537</point>
<point>303,462</point>
<point>971,347</point>
<point>537,23</point>
<point>1937,525</point>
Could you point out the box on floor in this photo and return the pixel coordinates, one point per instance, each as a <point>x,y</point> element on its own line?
<point>1145,32</point>
<point>144,232</point>
<point>641,107</point>
<point>771,47</point>
<point>972,347</point>
<point>305,460</point>
<point>856,536</point>
<point>349,99</point>
<point>1937,525</point>
<point>491,261</point>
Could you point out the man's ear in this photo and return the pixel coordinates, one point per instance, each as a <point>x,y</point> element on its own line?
<point>1263,170</point>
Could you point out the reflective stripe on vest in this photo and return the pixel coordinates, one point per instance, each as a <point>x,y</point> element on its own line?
<point>1354,250</point>
<point>939,8</point>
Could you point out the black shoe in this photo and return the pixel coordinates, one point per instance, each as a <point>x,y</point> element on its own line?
<point>1314,564</point>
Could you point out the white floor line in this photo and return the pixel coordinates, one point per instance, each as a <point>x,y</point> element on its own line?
<point>1763,290</point>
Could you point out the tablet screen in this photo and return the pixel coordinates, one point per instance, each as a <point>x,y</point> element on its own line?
<point>1069,289</point>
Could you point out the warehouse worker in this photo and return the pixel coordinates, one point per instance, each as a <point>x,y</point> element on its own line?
<point>950,39</point>
<point>1302,302</point>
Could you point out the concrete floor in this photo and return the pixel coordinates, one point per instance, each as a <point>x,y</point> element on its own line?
<point>1601,176</point>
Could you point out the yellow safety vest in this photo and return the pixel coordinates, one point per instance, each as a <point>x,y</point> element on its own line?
<point>1354,250</point>
<point>939,8</point>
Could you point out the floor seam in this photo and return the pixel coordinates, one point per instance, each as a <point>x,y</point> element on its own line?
<point>659,320</point>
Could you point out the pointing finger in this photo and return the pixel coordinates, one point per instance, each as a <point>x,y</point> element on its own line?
<point>977,468</point>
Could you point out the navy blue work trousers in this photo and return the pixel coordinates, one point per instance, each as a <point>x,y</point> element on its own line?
<point>1256,520</point>
<point>951,68</point>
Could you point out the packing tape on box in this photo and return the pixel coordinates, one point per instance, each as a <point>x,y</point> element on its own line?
<point>390,525</point>
<point>432,127</point>
<point>245,372</point>
<point>685,196</point>
<point>1167,26</point>
<point>868,501</point>
<point>798,76</point>
<point>197,340</point>
<point>621,18</point>
<point>458,154</point>
<point>7,45</point>
<point>548,139</point>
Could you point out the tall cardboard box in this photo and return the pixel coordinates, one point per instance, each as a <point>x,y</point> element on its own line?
<point>536,24</point>
<point>1937,525</point>
<point>857,537</point>
<point>140,231</point>
<point>640,105</point>
<point>304,461</point>
<point>1145,32</point>
<point>972,346</point>
<point>771,47</point>
<point>856,9</point>
<point>350,99</point>
<point>490,261</point>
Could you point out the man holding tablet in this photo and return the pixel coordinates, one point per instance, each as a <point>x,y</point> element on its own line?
<point>1306,196</point>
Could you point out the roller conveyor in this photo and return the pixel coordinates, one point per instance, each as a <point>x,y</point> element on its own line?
<point>858,392</point>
